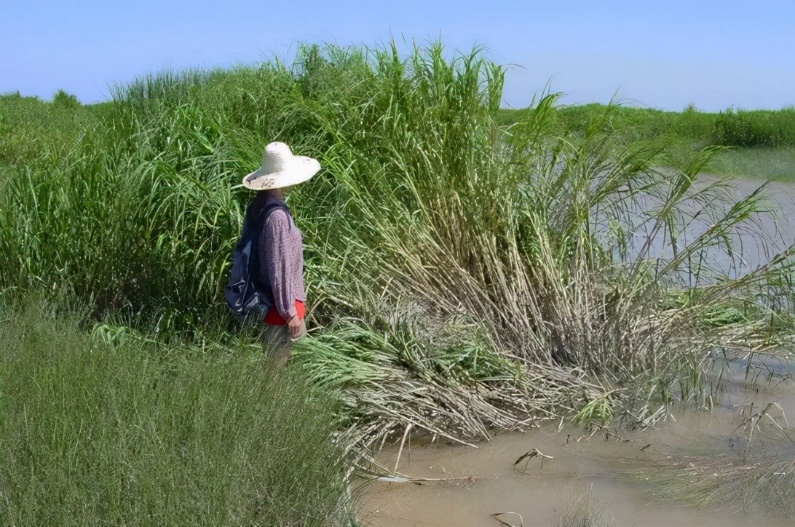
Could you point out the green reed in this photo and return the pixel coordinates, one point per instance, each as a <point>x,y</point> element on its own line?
<point>732,128</point>
<point>461,274</point>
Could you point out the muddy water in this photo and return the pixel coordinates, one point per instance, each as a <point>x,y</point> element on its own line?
<point>617,474</point>
<point>754,241</point>
<point>630,479</point>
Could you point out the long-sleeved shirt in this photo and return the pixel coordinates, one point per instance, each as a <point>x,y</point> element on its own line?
<point>280,256</point>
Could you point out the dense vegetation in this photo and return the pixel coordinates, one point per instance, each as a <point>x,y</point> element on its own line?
<point>110,428</point>
<point>730,128</point>
<point>758,144</point>
<point>462,275</point>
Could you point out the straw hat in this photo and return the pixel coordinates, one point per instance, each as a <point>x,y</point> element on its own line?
<point>281,168</point>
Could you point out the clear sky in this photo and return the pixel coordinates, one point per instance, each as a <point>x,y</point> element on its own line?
<point>662,53</point>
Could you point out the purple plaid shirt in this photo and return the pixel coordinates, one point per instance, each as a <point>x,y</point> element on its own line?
<point>280,255</point>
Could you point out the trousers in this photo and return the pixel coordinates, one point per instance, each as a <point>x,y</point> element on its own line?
<point>277,343</point>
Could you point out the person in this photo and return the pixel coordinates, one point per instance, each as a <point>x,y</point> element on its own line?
<point>279,261</point>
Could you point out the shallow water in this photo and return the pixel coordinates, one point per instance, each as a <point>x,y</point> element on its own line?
<point>618,473</point>
<point>755,241</point>
<point>623,477</point>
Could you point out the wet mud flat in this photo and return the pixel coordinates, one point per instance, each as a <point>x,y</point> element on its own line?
<point>731,466</point>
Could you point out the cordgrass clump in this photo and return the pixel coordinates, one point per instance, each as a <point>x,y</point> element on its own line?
<point>462,274</point>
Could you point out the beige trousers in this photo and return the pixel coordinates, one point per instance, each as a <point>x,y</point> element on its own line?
<point>276,342</point>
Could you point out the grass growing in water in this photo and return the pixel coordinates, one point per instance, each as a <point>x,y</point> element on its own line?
<point>461,275</point>
<point>731,128</point>
<point>755,477</point>
<point>141,434</point>
<point>585,510</point>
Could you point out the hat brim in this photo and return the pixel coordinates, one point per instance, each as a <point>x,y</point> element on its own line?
<point>298,170</point>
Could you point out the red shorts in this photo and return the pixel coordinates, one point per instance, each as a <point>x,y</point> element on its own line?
<point>273,318</point>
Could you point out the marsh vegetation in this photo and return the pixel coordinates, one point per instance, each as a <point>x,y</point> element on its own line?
<point>755,144</point>
<point>465,275</point>
<point>110,427</point>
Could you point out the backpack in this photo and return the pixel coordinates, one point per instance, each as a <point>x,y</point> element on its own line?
<point>248,305</point>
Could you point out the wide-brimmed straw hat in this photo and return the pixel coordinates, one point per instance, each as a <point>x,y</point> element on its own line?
<point>281,168</point>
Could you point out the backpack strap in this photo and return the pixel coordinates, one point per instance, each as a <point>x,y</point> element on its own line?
<point>265,212</point>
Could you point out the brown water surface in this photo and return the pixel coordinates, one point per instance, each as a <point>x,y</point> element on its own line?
<point>618,473</point>
<point>628,476</point>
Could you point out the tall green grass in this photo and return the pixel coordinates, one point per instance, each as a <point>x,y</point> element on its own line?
<point>755,128</point>
<point>116,429</point>
<point>731,128</point>
<point>31,128</point>
<point>462,275</point>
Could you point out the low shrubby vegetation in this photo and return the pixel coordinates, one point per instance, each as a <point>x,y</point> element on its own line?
<point>463,274</point>
<point>772,164</point>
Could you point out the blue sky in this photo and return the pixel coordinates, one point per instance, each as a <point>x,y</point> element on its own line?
<point>662,54</point>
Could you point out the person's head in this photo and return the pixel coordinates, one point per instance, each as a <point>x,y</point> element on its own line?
<point>280,169</point>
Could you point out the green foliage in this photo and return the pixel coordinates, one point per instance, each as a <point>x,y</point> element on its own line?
<point>755,128</point>
<point>32,130</point>
<point>771,164</point>
<point>632,124</point>
<point>428,216</point>
<point>736,128</point>
<point>64,100</point>
<point>136,433</point>
<point>599,410</point>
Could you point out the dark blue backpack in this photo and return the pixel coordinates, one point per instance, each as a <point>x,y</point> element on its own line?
<point>247,304</point>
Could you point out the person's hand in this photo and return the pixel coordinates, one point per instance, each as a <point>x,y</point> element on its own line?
<point>295,327</point>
